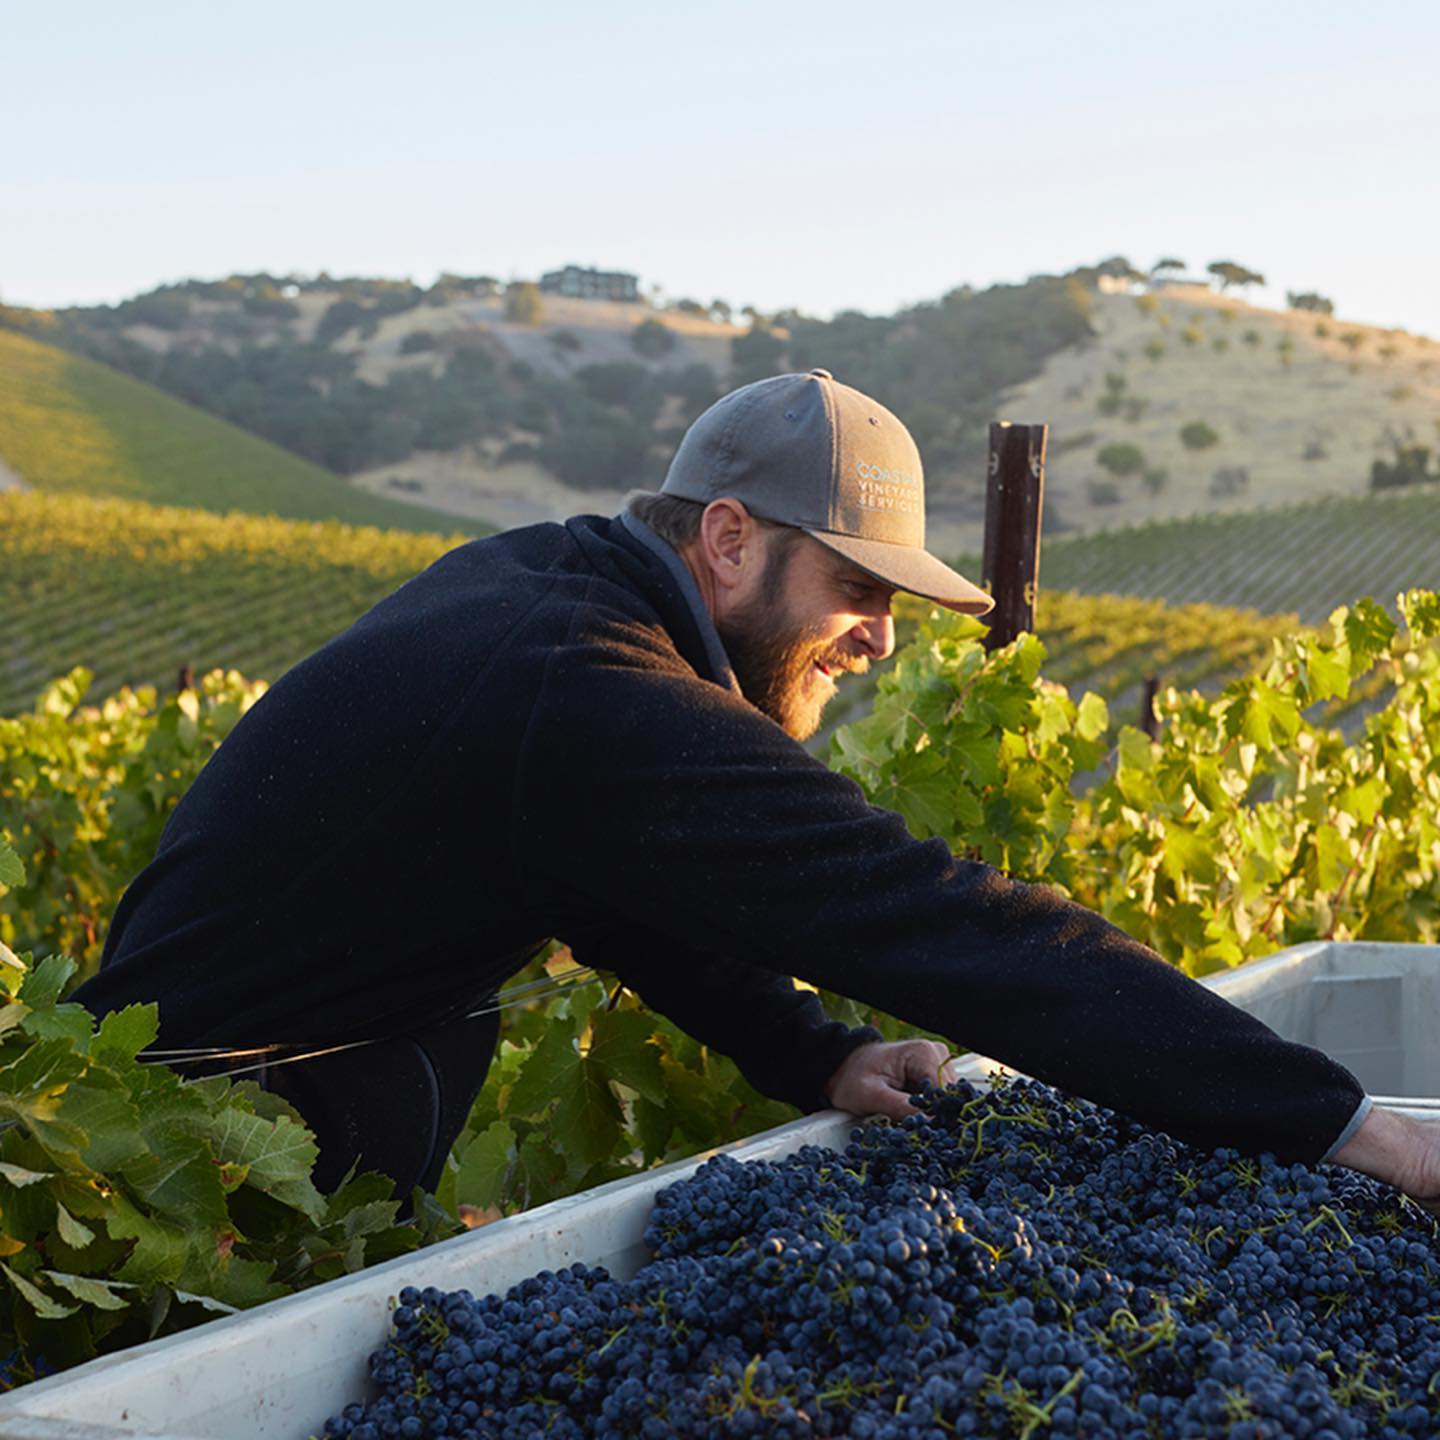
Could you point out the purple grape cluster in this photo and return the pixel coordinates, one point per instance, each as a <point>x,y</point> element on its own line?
<point>1013,1263</point>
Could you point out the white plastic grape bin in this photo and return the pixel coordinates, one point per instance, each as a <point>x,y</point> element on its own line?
<point>276,1372</point>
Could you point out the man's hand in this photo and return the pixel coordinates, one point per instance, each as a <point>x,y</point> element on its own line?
<point>879,1078</point>
<point>1400,1151</point>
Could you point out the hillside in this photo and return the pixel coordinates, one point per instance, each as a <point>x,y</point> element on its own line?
<point>1300,405</point>
<point>69,425</point>
<point>531,406</point>
<point>597,333</point>
<point>135,591</point>
<point>450,397</point>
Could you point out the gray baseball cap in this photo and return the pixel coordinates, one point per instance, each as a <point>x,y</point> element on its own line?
<point>807,451</point>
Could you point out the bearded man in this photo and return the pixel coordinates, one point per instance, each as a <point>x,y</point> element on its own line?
<point>590,732</point>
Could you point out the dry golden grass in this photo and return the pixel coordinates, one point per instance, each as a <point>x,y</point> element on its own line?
<point>1338,406</point>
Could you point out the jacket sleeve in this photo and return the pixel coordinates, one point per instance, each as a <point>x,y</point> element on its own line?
<point>642,789</point>
<point>778,1035</point>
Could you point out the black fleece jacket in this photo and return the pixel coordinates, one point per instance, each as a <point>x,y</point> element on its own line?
<point>528,741</point>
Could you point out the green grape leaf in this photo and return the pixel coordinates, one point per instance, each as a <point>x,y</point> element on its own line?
<point>60,697</point>
<point>1208,783</point>
<point>1327,671</point>
<point>358,1193</point>
<point>1187,856</point>
<point>39,1301</point>
<point>206,1302</point>
<point>1137,750</point>
<point>484,1164</point>
<point>100,1107</point>
<point>1007,707</point>
<point>1092,718</point>
<point>1135,768</point>
<point>45,982</point>
<point>179,1178</point>
<point>33,1087</point>
<point>127,1032</point>
<point>622,1046</point>
<point>278,1155</point>
<point>925,802</point>
<point>12,871</point>
<point>61,1022</point>
<point>235,1281</point>
<point>1333,854</point>
<point>374,1218</point>
<point>654,1127</point>
<point>976,752</point>
<point>692,1103</point>
<point>1422,612</point>
<point>542,1167</point>
<point>1369,632</point>
<point>587,1120</point>
<point>19,1176</point>
<point>72,1232</point>
<point>544,1072</point>
<point>99,1293</point>
<point>161,1248</point>
<point>1265,716</point>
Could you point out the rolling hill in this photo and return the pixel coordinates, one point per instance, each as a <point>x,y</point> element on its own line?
<point>69,425</point>
<point>443,398</point>
<point>1298,404</point>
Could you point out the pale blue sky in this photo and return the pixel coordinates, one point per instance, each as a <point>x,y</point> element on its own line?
<point>839,156</point>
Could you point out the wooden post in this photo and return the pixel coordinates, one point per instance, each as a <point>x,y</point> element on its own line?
<point>1010,565</point>
<point>1149,720</point>
<point>186,678</point>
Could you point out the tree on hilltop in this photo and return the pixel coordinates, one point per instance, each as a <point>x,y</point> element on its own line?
<point>1228,273</point>
<point>523,304</point>
<point>1169,262</point>
<point>1309,300</point>
<point>755,355</point>
<point>652,339</point>
<point>1119,268</point>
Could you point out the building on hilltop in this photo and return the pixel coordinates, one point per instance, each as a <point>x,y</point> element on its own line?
<point>1180,282</point>
<point>584,283</point>
<point>1116,284</point>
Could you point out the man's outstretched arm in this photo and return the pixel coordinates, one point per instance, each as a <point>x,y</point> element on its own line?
<point>679,807</point>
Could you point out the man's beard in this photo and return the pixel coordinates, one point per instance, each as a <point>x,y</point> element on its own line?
<point>774,661</point>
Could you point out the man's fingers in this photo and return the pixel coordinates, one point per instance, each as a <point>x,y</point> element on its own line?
<point>878,1079</point>
<point>884,1099</point>
<point>936,1063</point>
<point>920,1060</point>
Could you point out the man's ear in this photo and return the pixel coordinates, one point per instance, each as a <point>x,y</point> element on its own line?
<point>730,543</point>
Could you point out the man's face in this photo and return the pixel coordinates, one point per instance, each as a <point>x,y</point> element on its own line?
<point>815,616</point>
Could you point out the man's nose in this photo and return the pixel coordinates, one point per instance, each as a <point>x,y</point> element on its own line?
<point>877,635</point>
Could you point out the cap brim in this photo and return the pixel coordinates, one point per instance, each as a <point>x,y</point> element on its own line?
<point>907,568</point>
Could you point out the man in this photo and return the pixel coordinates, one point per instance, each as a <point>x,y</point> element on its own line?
<point>590,732</point>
